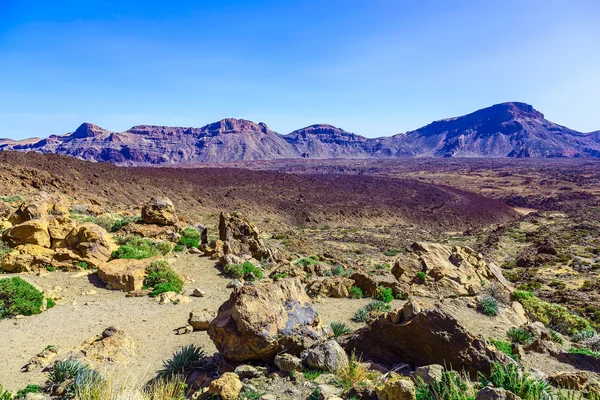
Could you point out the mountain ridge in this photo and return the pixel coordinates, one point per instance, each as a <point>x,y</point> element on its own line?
<point>512,129</point>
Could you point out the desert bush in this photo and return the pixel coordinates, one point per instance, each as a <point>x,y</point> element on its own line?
<point>353,374</point>
<point>18,297</point>
<point>391,253</point>
<point>246,270</point>
<point>161,277</point>
<point>555,337</point>
<point>12,198</point>
<point>488,306</point>
<point>4,249</point>
<point>339,328</point>
<point>78,376</point>
<point>385,294</point>
<point>28,389</point>
<point>356,292</point>
<point>338,270</point>
<point>505,347</point>
<point>583,334</point>
<point>510,377</point>
<point>83,265</point>
<point>551,315</point>
<point>190,237</point>
<point>178,248</point>
<point>519,335</point>
<point>421,276</point>
<point>184,361</point>
<point>451,387</point>
<point>370,311</point>
<point>136,248</point>
<point>312,374</point>
<point>278,276</point>
<point>311,260</point>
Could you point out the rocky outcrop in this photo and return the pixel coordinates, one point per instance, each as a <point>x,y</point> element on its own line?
<point>429,337</point>
<point>124,274</point>
<point>159,211</point>
<point>258,322</point>
<point>431,269</point>
<point>240,237</point>
<point>327,356</point>
<point>30,232</point>
<point>91,242</point>
<point>337,287</point>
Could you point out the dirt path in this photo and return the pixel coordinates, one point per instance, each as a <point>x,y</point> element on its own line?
<point>80,316</point>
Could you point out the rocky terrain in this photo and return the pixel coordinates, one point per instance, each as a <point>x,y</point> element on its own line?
<point>514,130</point>
<point>300,279</point>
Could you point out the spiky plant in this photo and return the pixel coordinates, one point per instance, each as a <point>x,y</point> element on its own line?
<point>68,369</point>
<point>583,334</point>
<point>488,306</point>
<point>339,328</point>
<point>185,360</point>
<point>519,335</point>
<point>361,315</point>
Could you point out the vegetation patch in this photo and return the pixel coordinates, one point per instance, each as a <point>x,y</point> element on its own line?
<point>451,387</point>
<point>246,270</point>
<point>138,248</point>
<point>12,198</point>
<point>552,315</point>
<point>385,294</point>
<point>511,377</point>
<point>519,335</point>
<point>370,311</point>
<point>488,306</point>
<point>356,292</point>
<point>184,361</point>
<point>19,297</point>
<point>339,328</point>
<point>190,237</point>
<point>505,347</point>
<point>161,277</point>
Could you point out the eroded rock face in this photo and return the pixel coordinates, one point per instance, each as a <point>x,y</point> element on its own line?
<point>27,258</point>
<point>448,271</point>
<point>430,337</point>
<point>124,274</point>
<point>29,232</point>
<point>92,242</point>
<point>159,211</point>
<point>337,287</point>
<point>258,322</point>
<point>396,387</point>
<point>240,237</point>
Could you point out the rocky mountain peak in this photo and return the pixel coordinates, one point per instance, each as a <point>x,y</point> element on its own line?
<point>86,130</point>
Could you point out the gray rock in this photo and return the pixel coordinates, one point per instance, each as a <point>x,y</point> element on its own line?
<point>200,319</point>
<point>329,392</point>
<point>430,373</point>
<point>236,283</point>
<point>288,363</point>
<point>492,393</point>
<point>198,293</point>
<point>328,356</point>
<point>249,372</point>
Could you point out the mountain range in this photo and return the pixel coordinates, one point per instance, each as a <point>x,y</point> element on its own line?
<point>512,129</point>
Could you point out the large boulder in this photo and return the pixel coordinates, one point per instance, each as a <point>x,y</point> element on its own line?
<point>258,322</point>
<point>30,232</point>
<point>91,242</point>
<point>28,212</point>
<point>447,271</point>
<point>239,236</point>
<point>337,287</point>
<point>27,258</point>
<point>370,282</point>
<point>123,274</point>
<point>159,211</point>
<point>59,226</point>
<point>429,336</point>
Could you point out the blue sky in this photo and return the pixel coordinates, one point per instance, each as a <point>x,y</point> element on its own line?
<point>371,67</point>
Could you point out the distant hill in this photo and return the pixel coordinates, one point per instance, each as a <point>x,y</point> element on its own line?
<point>513,129</point>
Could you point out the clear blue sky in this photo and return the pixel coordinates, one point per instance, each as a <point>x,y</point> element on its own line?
<point>371,67</point>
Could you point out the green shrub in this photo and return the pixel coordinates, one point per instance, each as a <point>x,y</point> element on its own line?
<point>584,351</point>
<point>371,310</point>
<point>164,248</point>
<point>5,394</point>
<point>338,270</point>
<point>391,253</point>
<point>74,372</point>
<point>189,242</point>
<point>50,303</point>
<point>161,277</point>
<point>519,335</point>
<point>306,261</point>
<point>83,264</point>
<point>421,276</point>
<point>190,233</point>
<point>583,334</point>
<point>382,266</point>
<point>246,270</point>
<point>488,306</point>
<point>50,268</point>
<point>356,292</point>
<point>505,347</point>
<point>28,389</point>
<point>312,374</point>
<point>184,361</point>
<point>18,297</point>
<point>120,223</point>
<point>278,276</point>
<point>136,248</point>
<point>555,337</point>
<point>551,315</point>
<point>178,247</point>
<point>451,387</point>
<point>385,294</point>
<point>510,377</point>
<point>339,328</point>
<point>12,198</point>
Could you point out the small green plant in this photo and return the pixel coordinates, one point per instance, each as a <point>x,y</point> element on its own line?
<point>356,292</point>
<point>371,310</point>
<point>184,361</point>
<point>120,223</point>
<point>385,294</point>
<point>339,328</point>
<point>83,265</point>
<point>136,248</point>
<point>246,270</point>
<point>12,199</point>
<point>4,249</point>
<point>338,270</point>
<point>77,374</point>
<point>306,261</point>
<point>555,337</point>
<point>450,387</point>
<point>178,248</point>
<point>519,335</point>
<point>421,277</point>
<point>5,394</point>
<point>584,351</point>
<point>312,374</point>
<point>19,297</point>
<point>510,377</point>
<point>505,347</point>
<point>391,253</point>
<point>251,395</point>
<point>583,334</point>
<point>161,277</point>
<point>488,306</point>
<point>164,247</point>
<point>50,303</point>
<point>551,315</point>
<point>28,389</point>
<point>50,268</point>
<point>278,276</point>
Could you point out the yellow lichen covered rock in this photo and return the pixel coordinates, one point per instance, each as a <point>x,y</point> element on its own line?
<point>30,232</point>
<point>396,387</point>
<point>124,274</point>
<point>27,258</point>
<point>91,242</point>
<point>228,386</point>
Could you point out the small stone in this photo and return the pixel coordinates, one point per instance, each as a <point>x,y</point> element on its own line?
<point>249,372</point>
<point>200,319</point>
<point>184,330</point>
<point>430,373</point>
<point>288,363</point>
<point>198,293</point>
<point>236,283</point>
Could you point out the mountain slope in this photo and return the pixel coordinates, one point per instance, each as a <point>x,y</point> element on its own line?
<point>514,130</point>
